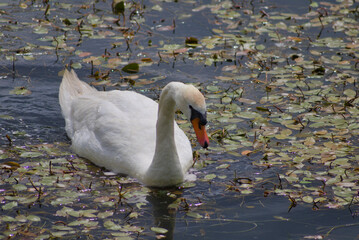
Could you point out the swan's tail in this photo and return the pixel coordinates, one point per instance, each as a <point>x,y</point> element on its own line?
<point>71,87</point>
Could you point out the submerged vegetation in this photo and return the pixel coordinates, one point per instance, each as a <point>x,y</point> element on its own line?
<point>282,93</point>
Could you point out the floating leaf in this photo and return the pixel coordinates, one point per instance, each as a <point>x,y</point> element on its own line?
<point>226,99</point>
<point>223,166</point>
<point>8,219</point>
<point>146,60</point>
<point>29,57</point>
<point>210,176</point>
<point>41,30</point>
<point>194,215</point>
<point>105,214</point>
<point>166,28</point>
<point>30,154</point>
<point>191,41</point>
<point>33,218</point>
<point>12,165</point>
<point>188,184</point>
<point>66,21</point>
<point>308,199</point>
<point>350,93</point>
<point>159,230</point>
<point>76,65</point>
<point>157,8</point>
<point>118,7</point>
<point>6,117</point>
<point>111,225</point>
<point>19,187</point>
<point>9,205</point>
<point>319,71</point>
<point>246,152</point>
<point>20,91</point>
<point>131,68</point>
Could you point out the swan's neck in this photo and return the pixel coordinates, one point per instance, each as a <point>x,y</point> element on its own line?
<point>165,168</point>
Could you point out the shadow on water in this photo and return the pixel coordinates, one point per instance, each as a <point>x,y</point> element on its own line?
<point>163,216</point>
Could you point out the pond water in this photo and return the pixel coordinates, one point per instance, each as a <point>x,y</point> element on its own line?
<point>48,192</point>
<point>233,216</point>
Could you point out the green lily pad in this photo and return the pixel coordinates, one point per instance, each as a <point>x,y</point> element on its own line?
<point>9,205</point>
<point>131,68</point>
<point>20,91</point>
<point>159,230</point>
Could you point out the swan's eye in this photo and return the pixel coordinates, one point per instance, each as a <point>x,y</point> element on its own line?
<point>197,114</point>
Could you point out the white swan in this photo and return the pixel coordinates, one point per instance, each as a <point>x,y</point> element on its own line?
<point>126,132</point>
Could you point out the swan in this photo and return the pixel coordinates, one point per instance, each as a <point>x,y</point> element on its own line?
<point>129,133</point>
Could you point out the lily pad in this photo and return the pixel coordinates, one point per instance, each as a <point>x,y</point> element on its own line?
<point>20,91</point>
<point>159,230</point>
<point>131,68</point>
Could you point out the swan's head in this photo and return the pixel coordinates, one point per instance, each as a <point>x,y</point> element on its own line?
<point>193,105</point>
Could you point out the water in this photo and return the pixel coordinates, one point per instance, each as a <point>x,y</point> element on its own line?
<point>224,214</point>
<point>38,113</point>
<point>232,216</point>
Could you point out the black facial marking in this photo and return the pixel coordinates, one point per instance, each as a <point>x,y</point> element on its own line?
<point>197,114</point>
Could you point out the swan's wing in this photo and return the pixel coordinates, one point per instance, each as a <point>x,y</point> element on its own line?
<point>116,126</point>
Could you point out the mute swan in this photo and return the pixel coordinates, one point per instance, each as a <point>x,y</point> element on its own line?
<point>126,132</point>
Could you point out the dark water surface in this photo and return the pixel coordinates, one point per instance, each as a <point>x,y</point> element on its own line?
<point>36,118</point>
<point>237,217</point>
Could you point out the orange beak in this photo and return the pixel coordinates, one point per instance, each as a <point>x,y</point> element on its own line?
<point>201,133</point>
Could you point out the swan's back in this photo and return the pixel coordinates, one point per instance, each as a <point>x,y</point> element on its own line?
<point>112,133</point>
<point>114,129</point>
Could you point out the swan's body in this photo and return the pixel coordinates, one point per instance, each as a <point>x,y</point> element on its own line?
<point>129,133</point>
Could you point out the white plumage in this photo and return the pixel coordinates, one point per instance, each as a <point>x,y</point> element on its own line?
<point>117,129</point>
